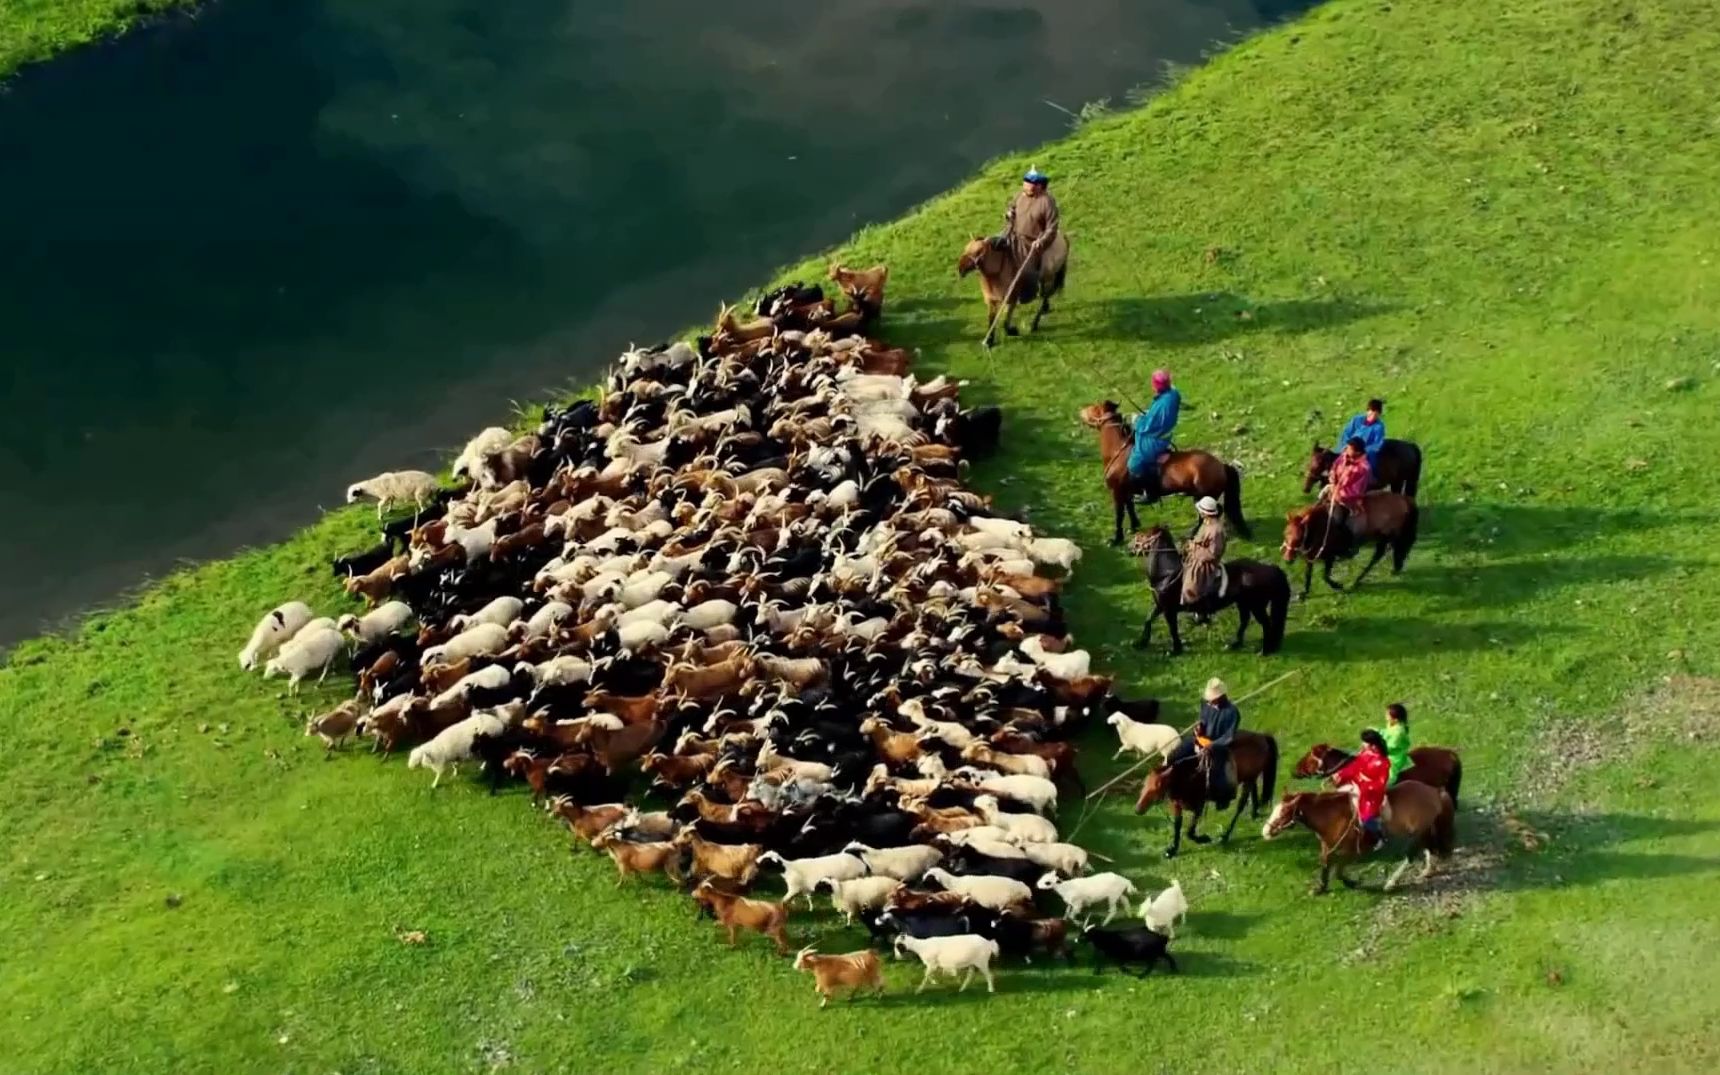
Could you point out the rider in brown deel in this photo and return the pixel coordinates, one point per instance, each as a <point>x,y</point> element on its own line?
<point>1205,556</point>
<point>1031,224</point>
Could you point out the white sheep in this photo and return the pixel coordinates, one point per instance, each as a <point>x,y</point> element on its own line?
<point>377,624</point>
<point>1066,859</point>
<point>273,631</point>
<point>492,678</point>
<point>963,952</point>
<point>484,640</point>
<point>860,894</point>
<point>1075,664</point>
<point>906,863</point>
<point>1022,828</point>
<point>667,613</point>
<point>1161,912</point>
<point>1036,791</point>
<point>635,638</point>
<point>710,614</point>
<point>1058,551</point>
<point>310,650</point>
<point>453,745</point>
<point>1143,739</point>
<point>541,622</point>
<point>997,893</point>
<point>1080,893</point>
<point>503,611</point>
<point>559,671</point>
<point>473,460</point>
<point>803,875</point>
<point>390,486</point>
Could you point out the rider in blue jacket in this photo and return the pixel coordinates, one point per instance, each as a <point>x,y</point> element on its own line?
<point>1153,435</point>
<point>1370,428</point>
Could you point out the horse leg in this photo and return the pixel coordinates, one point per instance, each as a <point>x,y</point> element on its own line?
<point>1243,797</point>
<point>1176,831</point>
<point>1176,635</point>
<point>1349,882</point>
<point>1134,520</point>
<point>1242,625</point>
<point>1308,577</point>
<point>1199,838</point>
<point>1323,881</point>
<point>1379,554</point>
<point>990,323</point>
<point>1392,881</point>
<point>1427,864</point>
<point>1044,308</point>
<point>1009,328</point>
<point>1119,497</point>
<point>1326,573</point>
<point>1146,638</point>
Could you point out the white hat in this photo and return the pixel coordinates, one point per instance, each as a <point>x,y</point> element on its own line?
<point>1206,505</point>
<point>1215,689</point>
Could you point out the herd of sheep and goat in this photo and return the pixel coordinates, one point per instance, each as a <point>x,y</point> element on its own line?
<point>753,574</point>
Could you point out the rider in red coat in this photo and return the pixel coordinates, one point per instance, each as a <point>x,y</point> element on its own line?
<point>1369,773</point>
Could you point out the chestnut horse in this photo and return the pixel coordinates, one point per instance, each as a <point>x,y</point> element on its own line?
<point>1255,756</point>
<point>1259,591</point>
<point>1193,473</point>
<point>1388,519</point>
<point>1417,812</point>
<point>997,267</point>
<point>1437,766</point>
<point>1397,467</point>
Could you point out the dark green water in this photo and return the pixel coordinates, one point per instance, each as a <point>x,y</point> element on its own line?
<point>251,256</point>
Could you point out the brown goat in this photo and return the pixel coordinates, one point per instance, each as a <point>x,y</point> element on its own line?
<point>616,749</point>
<point>733,862</point>
<point>704,682</point>
<point>379,583</point>
<point>852,971</point>
<point>379,671</point>
<point>738,912</point>
<point>334,726</point>
<point>638,709</point>
<point>631,858</point>
<point>439,677</point>
<point>678,770</point>
<point>896,748</point>
<point>864,287</point>
<point>587,822</point>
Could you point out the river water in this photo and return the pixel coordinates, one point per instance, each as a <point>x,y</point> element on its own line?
<point>252,255</point>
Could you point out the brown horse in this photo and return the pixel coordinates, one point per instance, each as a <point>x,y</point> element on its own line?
<point>997,266</point>
<point>1397,468</point>
<point>1259,592</point>
<point>1255,756</point>
<point>1438,766</point>
<point>1193,473</point>
<point>1417,812</point>
<point>1388,519</point>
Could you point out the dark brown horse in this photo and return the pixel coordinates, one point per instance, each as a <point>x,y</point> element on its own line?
<point>997,268</point>
<point>1438,766</point>
<point>1259,591</point>
<point>1192,473</point>
<point>1255,756</point>
<point>1417,812</point>
<point>1390,520</point>
<point>1397,468</point>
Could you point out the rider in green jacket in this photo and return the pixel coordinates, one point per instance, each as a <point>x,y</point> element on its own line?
<point>1397,739</point>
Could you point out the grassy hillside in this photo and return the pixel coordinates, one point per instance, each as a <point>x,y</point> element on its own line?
<point>32,30</point>
<point>1500,215</point>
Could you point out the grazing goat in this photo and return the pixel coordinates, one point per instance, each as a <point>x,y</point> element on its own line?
<point>274,631</point>
<point>734,913</point>
<point>852,971</point>
<point>1161,912</point>
<point>951,955</point>
<point>1079,893</point>
<point>395,485</point>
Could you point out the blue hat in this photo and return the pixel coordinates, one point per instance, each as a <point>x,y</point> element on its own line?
<point>1034,175</point>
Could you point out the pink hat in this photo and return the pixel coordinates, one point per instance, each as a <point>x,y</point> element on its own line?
<point>1161,379</point>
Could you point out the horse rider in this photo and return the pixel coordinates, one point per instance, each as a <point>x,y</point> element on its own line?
<point>1213,733</point>
<point>1153,436</point>
<point>1396,737</point>
<point>1204,557</point>
<point>1351,476</point>
<point>1367,775</point>
<point>1370,427</point>
<point>1030,226</point>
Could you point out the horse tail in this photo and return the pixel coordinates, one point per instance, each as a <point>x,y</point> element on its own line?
<point>1412,482</point>
<point>1269,779</point>
<point>1233,500</point>
<point>1277,614</point>
<point>1404,539</point>
<point>1455,783</point>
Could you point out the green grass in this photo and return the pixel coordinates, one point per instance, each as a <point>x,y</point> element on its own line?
<point>1500,215</point>
<point>32,30</point>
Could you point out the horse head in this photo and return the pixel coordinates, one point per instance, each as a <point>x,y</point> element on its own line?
<point>1099,415</point>
<point>1285,814</point>
<point>1319,465</point>
<point>1313,761</point>
<point>974,256</point>
<point>1153,791</point>
<point>1156,539</point>
<point>1296,531</point>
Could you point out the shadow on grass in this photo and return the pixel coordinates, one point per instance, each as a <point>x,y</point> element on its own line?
<point>1208,317</point>
<point>1360,638</point>
<point>1505,583</point>
<point>1502,530</point>
<point>944,992</point>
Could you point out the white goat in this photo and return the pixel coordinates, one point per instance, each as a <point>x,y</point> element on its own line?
<point>638,637</point>
<point>1022,828</point>
<point>1057,551</point>
<point>453,745</point>
<point>1080,893</point>
<point>1161,912</point>
<point>492,678</point>
<point>559,671</point>
<point>1143,739</point>
<point>1066,859</point>
<point>802,876</point>
<point>474,459</point>
<point>906,863</point>
<point>503,611</point>
<point>484,640</point>
<point>310,650</point>
<point>541,622</point>
<point>708,614</point>
<point>378,624</point>
<point>948,955</point>
<point>997,893</point>
<point>390,486</point>
<point>860,894</point>
<point>1036,791</point>
<point>273,631</point>
<point>1075,664</point>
